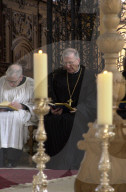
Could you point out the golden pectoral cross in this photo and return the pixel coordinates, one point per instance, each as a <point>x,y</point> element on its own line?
<point>70,101</point>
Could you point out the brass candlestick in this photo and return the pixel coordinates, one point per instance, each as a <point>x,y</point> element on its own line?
<point>104,132</point>
<point>40,158</point>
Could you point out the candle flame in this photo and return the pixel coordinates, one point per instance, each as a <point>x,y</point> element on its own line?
<point>105,72</point>
<point>40,51</point>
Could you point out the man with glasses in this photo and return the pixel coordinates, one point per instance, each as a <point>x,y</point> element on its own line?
<point>75,85</point>
<point>18,90</point>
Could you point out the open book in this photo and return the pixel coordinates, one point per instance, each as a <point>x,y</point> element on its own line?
<point>65,106</point>
<point>6,106</point>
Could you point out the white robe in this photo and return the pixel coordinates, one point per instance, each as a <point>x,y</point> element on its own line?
<point>13,124</point>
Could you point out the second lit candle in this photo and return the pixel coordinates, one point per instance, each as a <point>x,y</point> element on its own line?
<point>40,75</point>
<point>104,98</point>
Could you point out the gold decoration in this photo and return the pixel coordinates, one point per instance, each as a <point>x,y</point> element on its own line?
<point>104,132</point>
<point>70,101</point>
<point>110,43</point>
<point>71,94</point>
<point>88,174</point>
<point>90,187</point>
<point>40,158</point>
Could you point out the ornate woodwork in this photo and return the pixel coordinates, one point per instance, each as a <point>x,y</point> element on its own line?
<point>73,23</point>
<point>52,25</point>
<point>22,28</point>
<point>122,30</point>
<point>1,42</point>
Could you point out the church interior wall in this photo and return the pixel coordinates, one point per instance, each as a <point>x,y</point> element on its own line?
<point>23,26</point>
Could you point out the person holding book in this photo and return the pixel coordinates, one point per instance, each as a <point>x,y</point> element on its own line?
<point>75,85</point>
<point>16,93</point>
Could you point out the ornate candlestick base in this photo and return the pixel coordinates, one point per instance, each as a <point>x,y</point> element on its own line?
<point>104,132</point>
<point>40,158</point>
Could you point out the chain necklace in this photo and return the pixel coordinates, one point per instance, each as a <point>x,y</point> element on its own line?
<point>71,94</point>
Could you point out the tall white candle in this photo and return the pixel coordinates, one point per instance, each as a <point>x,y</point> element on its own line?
<point>40,75</point>
<point>104,98</point>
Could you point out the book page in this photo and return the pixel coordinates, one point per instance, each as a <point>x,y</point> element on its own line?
<point>6,106</point>
<point>5,103</point>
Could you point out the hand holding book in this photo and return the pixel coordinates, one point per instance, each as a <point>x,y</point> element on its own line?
<point>56,111</point>
<point>64,106</point>
<point>16,105</point>
<point>7,106</point>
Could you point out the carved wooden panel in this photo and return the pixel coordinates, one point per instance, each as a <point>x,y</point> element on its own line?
<point>22,53</point>
<point>23,31</point>
<point>1,31</point>
<point>3,68</point>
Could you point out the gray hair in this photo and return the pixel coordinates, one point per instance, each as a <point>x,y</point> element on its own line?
<point>70,51</point>
<point>14,70</point>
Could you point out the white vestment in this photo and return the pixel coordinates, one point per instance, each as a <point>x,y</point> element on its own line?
<point>13,124</point>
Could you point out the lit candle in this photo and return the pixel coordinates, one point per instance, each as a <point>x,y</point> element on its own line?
<point>104,98</point>
<point>40,75</point>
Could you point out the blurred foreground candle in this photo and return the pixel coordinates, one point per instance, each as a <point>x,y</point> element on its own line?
<point>40,75</point>
<point>104,98</point>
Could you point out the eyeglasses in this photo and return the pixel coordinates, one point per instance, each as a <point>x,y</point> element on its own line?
<point>70,62</point>
<point>12,82</point>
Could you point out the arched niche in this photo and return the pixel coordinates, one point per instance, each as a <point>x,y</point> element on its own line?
<point>22,52</point>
